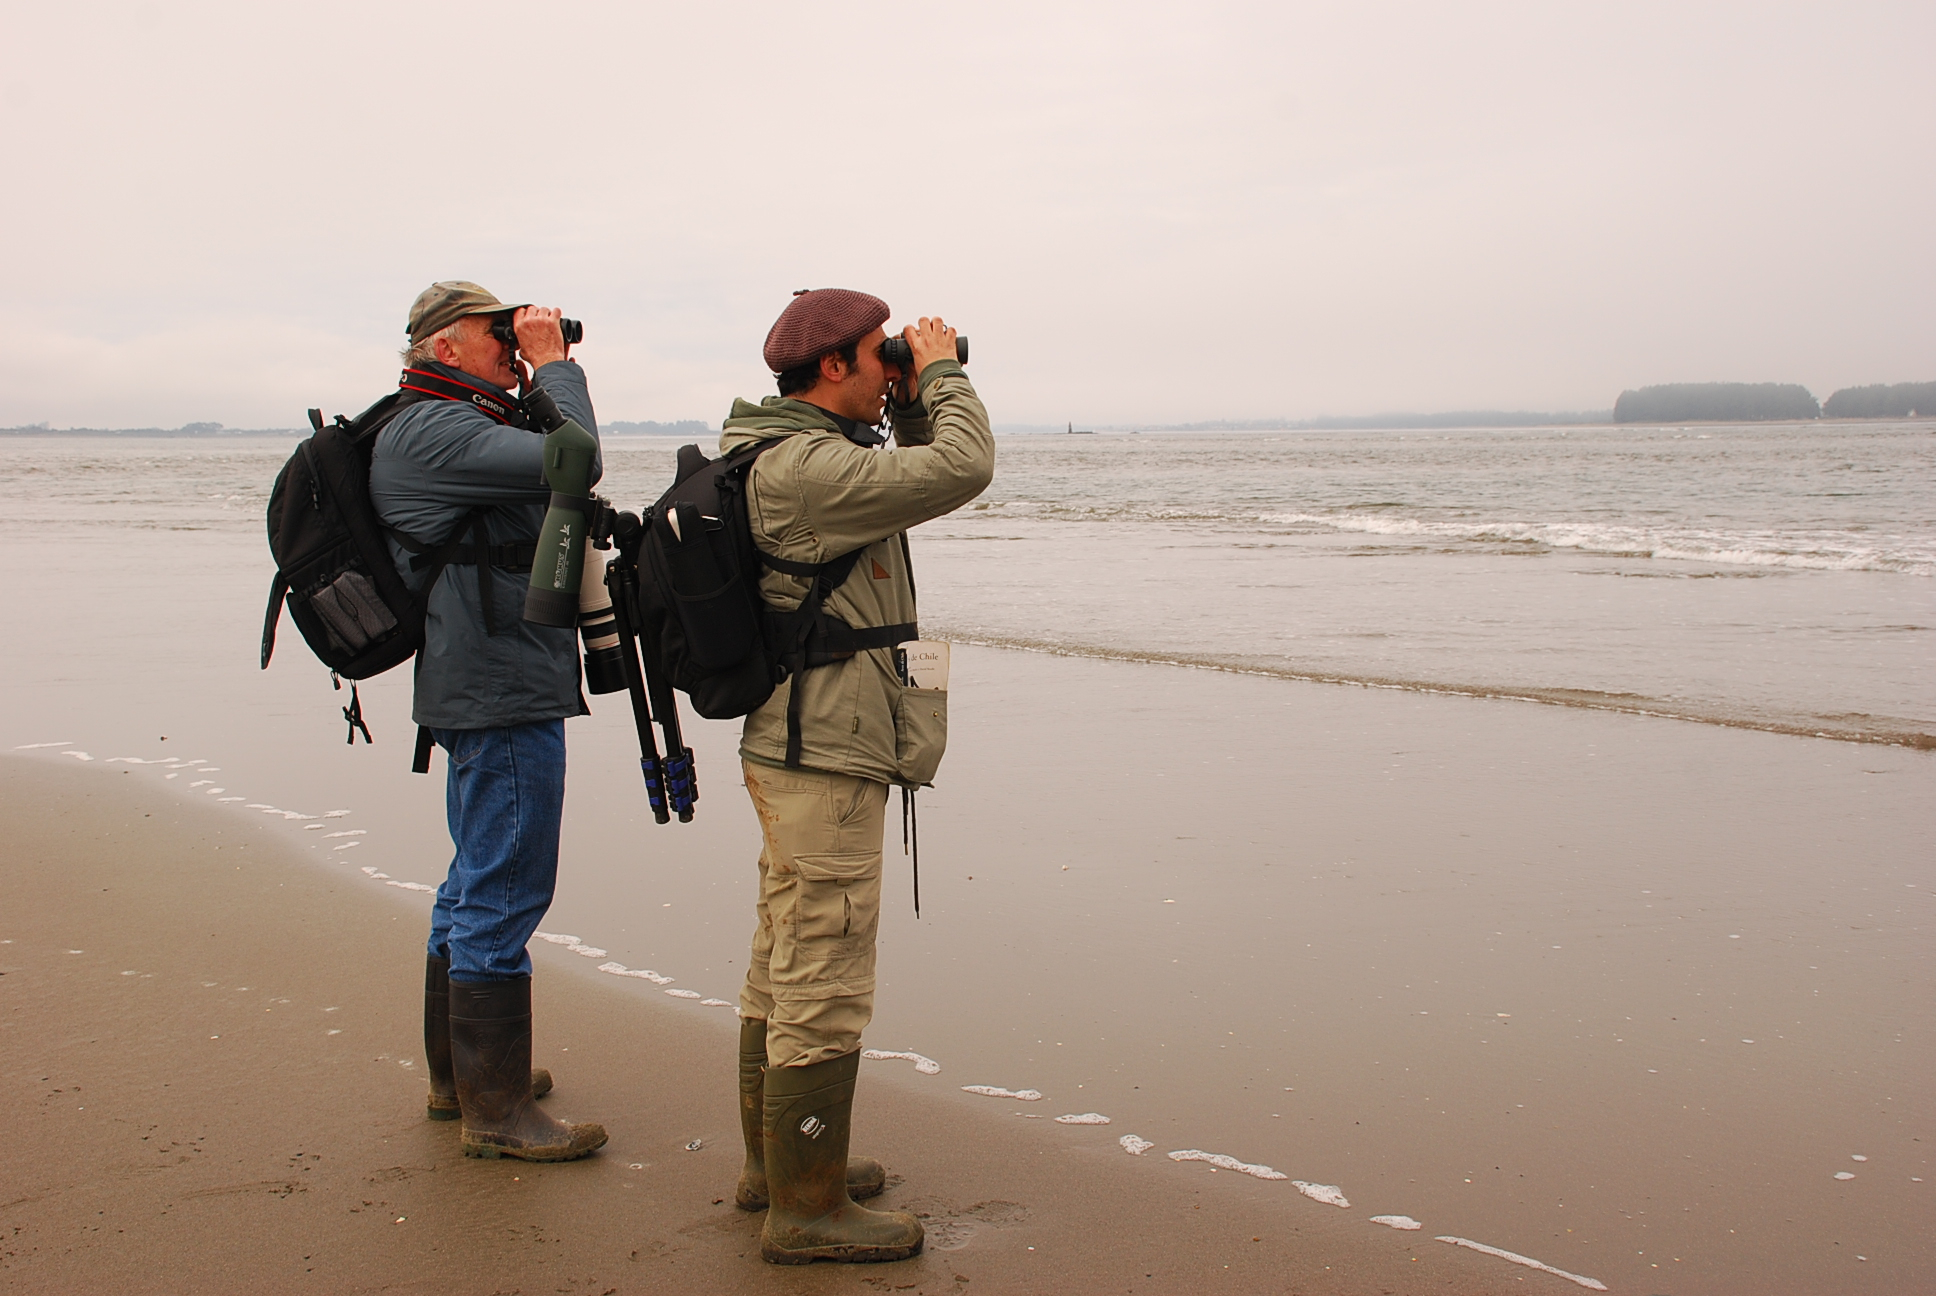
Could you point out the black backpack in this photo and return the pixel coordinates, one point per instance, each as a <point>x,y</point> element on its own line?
<point>701,622</point>
<point>333,567</point>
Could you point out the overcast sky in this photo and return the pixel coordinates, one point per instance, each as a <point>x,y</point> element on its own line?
<point>1139,212</point>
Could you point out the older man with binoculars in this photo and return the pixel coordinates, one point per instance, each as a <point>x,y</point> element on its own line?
<point>492,689</point>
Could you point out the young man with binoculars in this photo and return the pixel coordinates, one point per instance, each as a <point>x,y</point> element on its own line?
<point>492,688</point>
<point>818,755</point>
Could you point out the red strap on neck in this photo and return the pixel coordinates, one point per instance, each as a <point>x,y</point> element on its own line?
<point>507,410</point>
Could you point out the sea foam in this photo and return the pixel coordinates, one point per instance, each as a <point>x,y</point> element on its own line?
<point>925,1065</point>
<point>643,974</point>
<point>571,943</point>
<point>1329,1194</point>
<point>995,1091</point>
<point>1593,1283</point>
<point>1223,1162</point>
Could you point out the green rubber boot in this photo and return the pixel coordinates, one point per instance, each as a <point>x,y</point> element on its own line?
<point>866,1177</point>
<point>442,1103</point>
<point>490,1048</point>
<point>808,1116</point>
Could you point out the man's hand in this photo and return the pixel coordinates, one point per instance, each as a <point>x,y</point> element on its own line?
<point>930,340</point>
<point>540,340</point>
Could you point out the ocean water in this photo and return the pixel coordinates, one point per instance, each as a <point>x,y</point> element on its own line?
<point>1778,577</point>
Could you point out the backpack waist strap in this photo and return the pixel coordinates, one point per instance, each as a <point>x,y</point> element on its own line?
<point>479,553</point>
<point>830,639</point>
<point>516,557</point>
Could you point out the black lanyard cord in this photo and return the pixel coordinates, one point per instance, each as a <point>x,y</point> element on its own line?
<point>911,841</point>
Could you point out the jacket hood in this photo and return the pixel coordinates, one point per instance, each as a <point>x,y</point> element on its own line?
<point>774,416</point>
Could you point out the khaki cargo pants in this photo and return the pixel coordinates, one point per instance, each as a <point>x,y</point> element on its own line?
<point>811,974</point>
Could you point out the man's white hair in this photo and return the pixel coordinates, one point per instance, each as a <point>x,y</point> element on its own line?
<point>420,353</point>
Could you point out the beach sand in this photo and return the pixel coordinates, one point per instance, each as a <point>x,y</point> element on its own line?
<point>213,1083</point>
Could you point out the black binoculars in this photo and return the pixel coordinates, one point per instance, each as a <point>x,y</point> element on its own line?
<point>501,330</point>
<point>896,351</point>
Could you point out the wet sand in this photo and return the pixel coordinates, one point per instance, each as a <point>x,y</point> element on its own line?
<point>212,1083</point>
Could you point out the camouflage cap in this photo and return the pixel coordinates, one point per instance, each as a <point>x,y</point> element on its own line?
<point>447,301</point>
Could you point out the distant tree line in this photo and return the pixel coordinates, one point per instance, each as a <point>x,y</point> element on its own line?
<point>186,430</point>
<point>1883,400</point>
<point>1719,402</point>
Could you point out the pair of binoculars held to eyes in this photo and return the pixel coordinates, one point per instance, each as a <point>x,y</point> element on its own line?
<point>502,330</point>
<point>896,351</point>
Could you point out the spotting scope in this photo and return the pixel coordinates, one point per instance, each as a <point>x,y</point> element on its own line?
<point>558,566</point>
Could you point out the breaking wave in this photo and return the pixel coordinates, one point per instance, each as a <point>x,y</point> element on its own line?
<point>1820,549</point>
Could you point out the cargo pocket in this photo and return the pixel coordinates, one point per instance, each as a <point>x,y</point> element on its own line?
<point>353,610</point>
<point>836,915</point>
<point>920,733</point>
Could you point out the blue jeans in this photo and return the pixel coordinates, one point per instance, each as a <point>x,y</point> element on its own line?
<point>505,800</point>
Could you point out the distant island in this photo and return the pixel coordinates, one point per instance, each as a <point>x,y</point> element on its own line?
<point>1883,400</point>
<point>1770,402</point>
<point>1716,402</point>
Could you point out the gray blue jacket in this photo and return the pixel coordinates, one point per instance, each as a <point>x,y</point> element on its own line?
<point>434,463</point>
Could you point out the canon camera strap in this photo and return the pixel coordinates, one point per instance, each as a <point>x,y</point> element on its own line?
<point>454,385</point>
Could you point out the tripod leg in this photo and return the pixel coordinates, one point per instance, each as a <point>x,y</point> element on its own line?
<point>628,650</point>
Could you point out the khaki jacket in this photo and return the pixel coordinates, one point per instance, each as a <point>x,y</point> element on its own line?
<point>819,496</point>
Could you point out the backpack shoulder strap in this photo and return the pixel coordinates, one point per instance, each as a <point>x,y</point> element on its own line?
<point>364,427</point>
<point>741,462</point>
<point>278,590</point>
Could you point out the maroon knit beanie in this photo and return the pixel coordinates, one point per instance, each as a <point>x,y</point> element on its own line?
<point>819,320</point>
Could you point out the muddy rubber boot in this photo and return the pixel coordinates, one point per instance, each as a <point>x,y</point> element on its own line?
<point>490,1049</point>
<point>442,1104</point>
<point>808,1114</point>
<point>866,1177</point>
